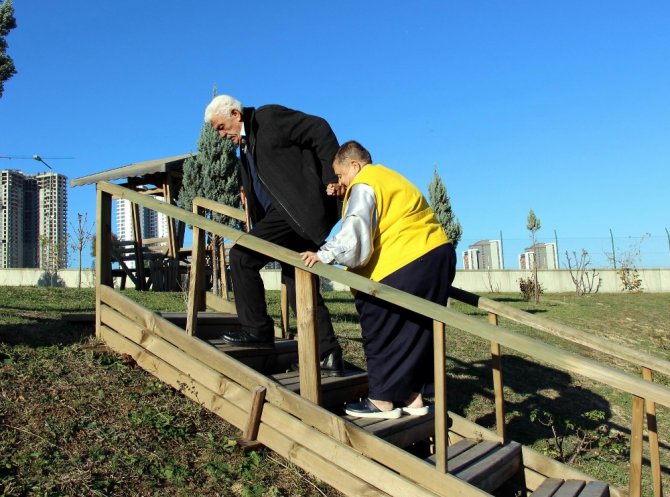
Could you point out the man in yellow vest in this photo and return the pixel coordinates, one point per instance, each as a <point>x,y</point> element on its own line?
<point>389,234</point>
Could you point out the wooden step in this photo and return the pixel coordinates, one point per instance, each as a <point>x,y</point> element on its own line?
<point>335,390</point>
<point>403,432</point>
<point>486,465</point>
<point>555,487</point>
<point>267,361</point>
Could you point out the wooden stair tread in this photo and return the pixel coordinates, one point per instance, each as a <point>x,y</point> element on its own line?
<point>486,465</point>
<point>335,390</point>
<point>555,487</point>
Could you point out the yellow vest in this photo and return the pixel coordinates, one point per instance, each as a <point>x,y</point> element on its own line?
<point>407,227</point>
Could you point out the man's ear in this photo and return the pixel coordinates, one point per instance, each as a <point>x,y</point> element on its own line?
<point>236,114</point>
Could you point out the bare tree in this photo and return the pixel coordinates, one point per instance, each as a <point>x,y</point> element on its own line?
<point>533,225</point>
<point>82,233</point>
<point>582,276</point>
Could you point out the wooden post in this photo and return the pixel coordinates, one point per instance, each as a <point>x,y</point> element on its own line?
<point>496,365</point>
<point>224,269</point>
<point>250,433</point>
<point>140,284</point>
<point>196,291</point>
<point>308,343</point>
<point>284,311</point>
<point>441,416</point>
<point>636,429</point>
<point>103,251</point>
<point>652,432</point>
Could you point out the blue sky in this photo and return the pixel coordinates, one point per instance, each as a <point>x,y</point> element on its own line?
<point>563,108</point>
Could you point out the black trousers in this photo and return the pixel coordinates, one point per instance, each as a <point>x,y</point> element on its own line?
<point>248,286</point>
<point>398,343</point>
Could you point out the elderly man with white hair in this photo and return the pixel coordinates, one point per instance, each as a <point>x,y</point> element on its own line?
<point>286,166</point>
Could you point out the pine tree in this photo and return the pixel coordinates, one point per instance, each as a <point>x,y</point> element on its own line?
<point>439,201</point>
<point>213,174</point>
<point>7,23</point>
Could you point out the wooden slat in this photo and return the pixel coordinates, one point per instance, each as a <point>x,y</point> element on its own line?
<point>548,488</point>
<point>595,489</point>
<point>460,447</point>
<point>571,488</point>
<point>494,470</point>
<point>470,456</point>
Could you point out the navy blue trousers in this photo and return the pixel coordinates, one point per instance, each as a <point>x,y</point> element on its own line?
<point>249,290</point>
<point>398,343</point>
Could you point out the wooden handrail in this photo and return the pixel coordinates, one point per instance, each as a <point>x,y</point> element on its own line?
<point>636,357</point>
<point>549,354</point>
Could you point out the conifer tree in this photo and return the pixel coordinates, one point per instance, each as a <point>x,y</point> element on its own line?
<point>439,201</point>
<point>7,23</point>
<point>533,224</point>
<point>213,174</point>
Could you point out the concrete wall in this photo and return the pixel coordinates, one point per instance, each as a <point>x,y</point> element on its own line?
<point>553,281</point>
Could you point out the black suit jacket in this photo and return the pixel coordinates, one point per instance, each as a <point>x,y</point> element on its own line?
<point>293,153</point>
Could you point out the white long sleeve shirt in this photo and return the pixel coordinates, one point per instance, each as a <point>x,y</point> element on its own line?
<point>352,245</point>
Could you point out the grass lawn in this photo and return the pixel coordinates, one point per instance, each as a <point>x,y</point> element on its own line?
<point>77,420</point>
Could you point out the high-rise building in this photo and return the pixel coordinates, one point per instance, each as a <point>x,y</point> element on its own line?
<point>153,224</point>
<point>33,220</point>
<point>485,254</point>
<point>546,253</point>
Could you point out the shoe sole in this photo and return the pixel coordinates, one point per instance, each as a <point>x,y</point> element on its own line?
<point>415,411</point>
<point>392,414</point>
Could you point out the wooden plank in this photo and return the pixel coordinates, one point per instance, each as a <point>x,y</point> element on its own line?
<point>308,343</point>
<point>570,488</point>
<point>140,283</point>
<point>548,488</point>
<point>652,434</point>
<point>224,209</point>
<point>460,447</point>
<point>636,439</point>
<point>218,304</point>
<point>469,457</point>
<point>440,379</point>
<point>495,469</point>
<point>595,489</point>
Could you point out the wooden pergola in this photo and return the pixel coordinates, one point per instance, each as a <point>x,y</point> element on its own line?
<point>156,178</point>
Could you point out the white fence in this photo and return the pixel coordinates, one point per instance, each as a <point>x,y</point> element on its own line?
<point>553,281</point>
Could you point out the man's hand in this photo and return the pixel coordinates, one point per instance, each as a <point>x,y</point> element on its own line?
<point>335,190</point>
<point>310,258</point>
<point>243,196</point>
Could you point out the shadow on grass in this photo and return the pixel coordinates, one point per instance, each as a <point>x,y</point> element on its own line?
<point>44,332</point>
<point>529,386</point>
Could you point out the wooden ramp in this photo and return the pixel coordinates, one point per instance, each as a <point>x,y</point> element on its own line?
<point>252,390</point>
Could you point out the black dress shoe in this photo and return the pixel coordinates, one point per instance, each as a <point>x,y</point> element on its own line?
<point>246,339</point>
<point>331,365</point>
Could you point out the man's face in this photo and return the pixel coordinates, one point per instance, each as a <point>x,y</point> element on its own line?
<point>228,127</point>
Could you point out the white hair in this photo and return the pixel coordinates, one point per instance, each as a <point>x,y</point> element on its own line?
<point>221,105</point>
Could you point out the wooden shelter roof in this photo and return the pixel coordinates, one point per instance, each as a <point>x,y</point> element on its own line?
<point>133,170</point>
